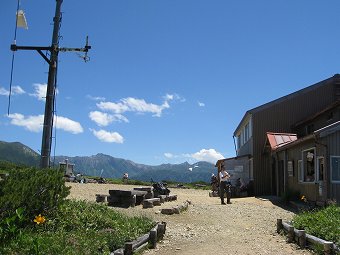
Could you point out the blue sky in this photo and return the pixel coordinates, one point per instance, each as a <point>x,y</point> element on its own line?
<point>168,81</point>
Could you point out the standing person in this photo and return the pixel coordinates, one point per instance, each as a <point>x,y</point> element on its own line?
<point>125,178</point>
<point>224,185</point>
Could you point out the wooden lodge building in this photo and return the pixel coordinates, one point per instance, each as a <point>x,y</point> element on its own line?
<point>292,144</point>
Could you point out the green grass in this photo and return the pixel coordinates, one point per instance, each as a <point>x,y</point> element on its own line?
<point>78,227</point>
<point>323,223</point>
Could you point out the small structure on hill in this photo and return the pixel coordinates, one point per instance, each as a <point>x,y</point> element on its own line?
<point>67,168</point>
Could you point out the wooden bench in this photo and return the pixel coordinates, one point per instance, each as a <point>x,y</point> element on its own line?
<point>125,198</point>
<point>151,202</point>
<point>149,191</point>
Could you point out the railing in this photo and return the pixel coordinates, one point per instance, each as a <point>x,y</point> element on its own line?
<point>303,239</point>
<point>155,234</point>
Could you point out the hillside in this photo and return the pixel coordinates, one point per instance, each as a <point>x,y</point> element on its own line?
<point>112,167</point>
<point>115,168</point>
<point>18,153</point>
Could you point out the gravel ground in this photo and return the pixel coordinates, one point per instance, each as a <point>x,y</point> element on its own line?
<point>247,226</point>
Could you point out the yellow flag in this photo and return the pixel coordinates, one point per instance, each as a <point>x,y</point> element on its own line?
<point>21,19</point>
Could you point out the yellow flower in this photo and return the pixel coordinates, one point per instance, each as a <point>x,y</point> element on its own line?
<point>39,219</point>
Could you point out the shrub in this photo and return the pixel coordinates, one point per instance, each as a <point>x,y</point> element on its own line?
<point>79,227</point>
<point>35,191</point>
<point>323,223</point>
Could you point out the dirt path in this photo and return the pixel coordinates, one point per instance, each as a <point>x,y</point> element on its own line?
<point>247,226</point>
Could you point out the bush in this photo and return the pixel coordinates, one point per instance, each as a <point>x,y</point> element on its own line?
<point>323,223</point>
<point>35,191</point>
<point>79,227</point>
<point>6,167</point>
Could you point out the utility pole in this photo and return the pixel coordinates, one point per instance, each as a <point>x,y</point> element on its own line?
<point>51,82</point>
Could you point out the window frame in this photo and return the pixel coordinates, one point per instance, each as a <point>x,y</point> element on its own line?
<point>318,159</point>
<point>300,171</point>
<point>331,168</point>
<point>304,163</point>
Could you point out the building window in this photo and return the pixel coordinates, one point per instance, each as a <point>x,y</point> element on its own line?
<point>335,168</point>
<point>290,168</point>
<point>244,135</point>
<point>308,165</point>
<point>320,168</point>
<point>251,169</point>
<point>300,172</point>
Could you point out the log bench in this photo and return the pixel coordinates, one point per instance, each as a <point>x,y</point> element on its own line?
<point>125,198</point>
<point>176,209</point>
<point>149,190</point>
<point>167,198</point>
<point>151,202</point>
<point>172,197</point>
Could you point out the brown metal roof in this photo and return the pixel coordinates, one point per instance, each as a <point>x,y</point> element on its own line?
<point>277,140</point>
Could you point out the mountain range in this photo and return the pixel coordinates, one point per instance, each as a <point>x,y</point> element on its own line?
<point>111,167</point>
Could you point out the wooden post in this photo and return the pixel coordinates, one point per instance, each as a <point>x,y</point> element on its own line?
<point>153,238</point>
<point>327,247</point>
<point>301,238</point>
<point>118,252</point>
<point>128,248</point>
<point>290,234</point>
<point>164,223</point>
<point>279,225</point>
<point>133,201</point>
<point>161,230</point>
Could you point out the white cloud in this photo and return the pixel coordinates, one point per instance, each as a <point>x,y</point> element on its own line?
<point>104,119</point>
<point>31,123</point>
<point>131,104</point>
<point>40,91</point>
<point>16,90</point>
<point>209,155</point>
<point>109,137</point>
<point>35,123</point>
<point>114,107</point>
<point>3,92</point>
<point>68,125</point>
<point>96,98</point>
<point>169,155</point>
<point>200,104</point>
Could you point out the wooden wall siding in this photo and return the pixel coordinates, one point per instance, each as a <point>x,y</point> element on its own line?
<point>310,190</point>
<point>232,164</point>
<point>246,149</point>
<point>278,118</point>
<point>333,142</point>
<point>320,121</point>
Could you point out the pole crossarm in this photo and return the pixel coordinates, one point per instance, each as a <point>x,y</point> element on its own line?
<point>14,47</point>
<point>85,49</point>
<point>39,49</point>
